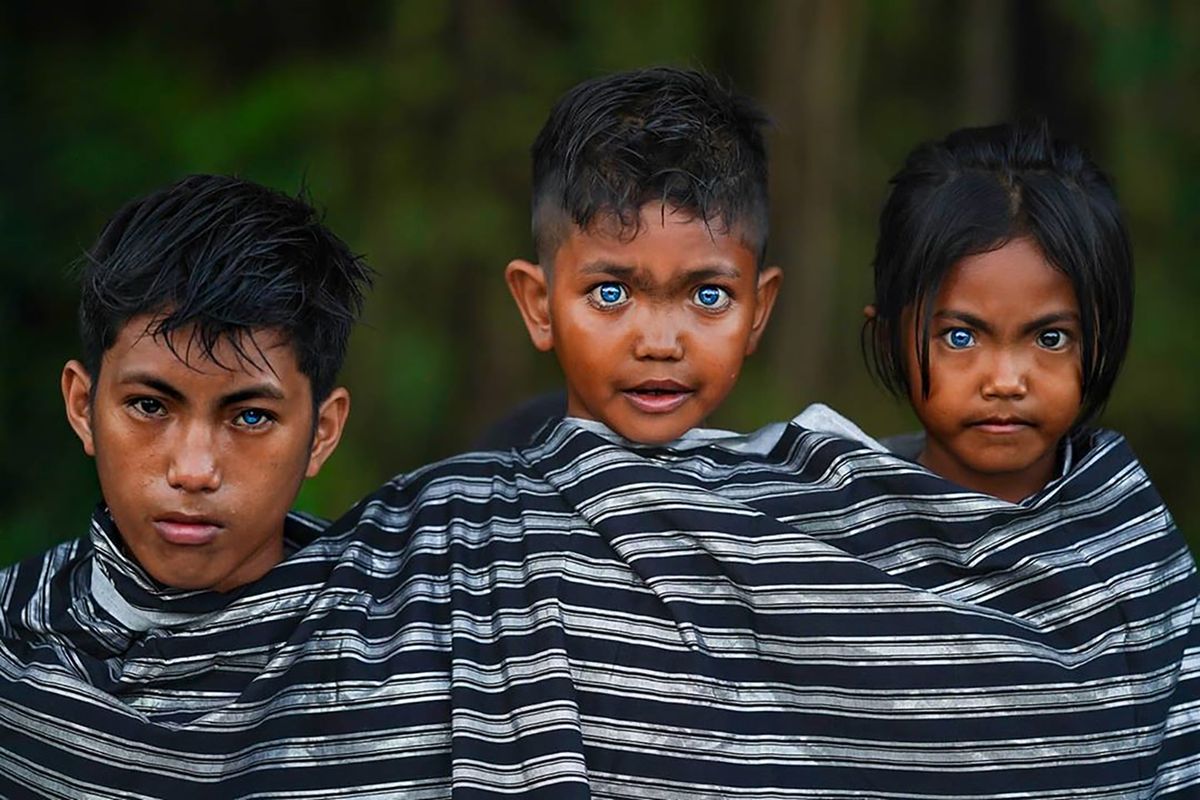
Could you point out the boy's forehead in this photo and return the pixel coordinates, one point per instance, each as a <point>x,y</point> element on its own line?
<point>657,235</point>
<point>628,225</point>
<point>256,352</point>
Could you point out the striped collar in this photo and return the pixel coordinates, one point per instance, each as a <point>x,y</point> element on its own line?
<point>760,442</point>
<point>123,589</point>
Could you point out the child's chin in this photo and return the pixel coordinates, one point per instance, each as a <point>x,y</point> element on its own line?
<point>651,434</point>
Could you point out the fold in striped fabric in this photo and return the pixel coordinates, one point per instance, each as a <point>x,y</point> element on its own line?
<point>581,619</point>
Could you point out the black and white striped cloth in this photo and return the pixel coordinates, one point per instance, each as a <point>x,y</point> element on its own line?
<point>800,619</point>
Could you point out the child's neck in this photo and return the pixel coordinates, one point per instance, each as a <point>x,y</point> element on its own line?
<point>1012,487</point>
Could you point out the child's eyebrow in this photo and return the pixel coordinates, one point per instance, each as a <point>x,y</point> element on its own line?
<point>608,268</point>
<point>1050,319</point>
<point>966,318</point>
<point>637,277</point>
<point>256,392</point>
<point>1028,327</point>
<point>157,384</point>
<point>705,273</point>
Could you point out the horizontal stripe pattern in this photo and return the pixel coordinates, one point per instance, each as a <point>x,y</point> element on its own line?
<point>583,619</point>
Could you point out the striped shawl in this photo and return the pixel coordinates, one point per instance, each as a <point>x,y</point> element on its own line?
<point>585,620</point>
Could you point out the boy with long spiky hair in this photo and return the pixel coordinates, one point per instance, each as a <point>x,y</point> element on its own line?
<point>214,316</point>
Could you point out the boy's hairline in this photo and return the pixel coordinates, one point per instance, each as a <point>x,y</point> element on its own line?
<point>547,246</point>
<point>287,339</point>
<point>321,283</point>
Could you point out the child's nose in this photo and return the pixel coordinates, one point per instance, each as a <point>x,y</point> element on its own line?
<point>659,339</point>
<point>192,465</point>
<point>1006,376</point>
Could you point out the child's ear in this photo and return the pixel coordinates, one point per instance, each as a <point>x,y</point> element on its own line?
<point>768,289</point>
<point>77,398</point>
<point>531,289</point>
<point>327,429</point>
<point>869,311</point>
<point>327,432</point>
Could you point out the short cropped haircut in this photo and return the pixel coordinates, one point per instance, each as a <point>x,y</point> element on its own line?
<point>972,193</point>
<point>674,136</point>
<point>223,257</point>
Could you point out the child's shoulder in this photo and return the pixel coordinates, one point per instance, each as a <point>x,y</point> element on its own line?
<point>1105,452</point>
<point>467,486</point>
<point>38,577</point>
<point>51,560</point>
<point>821,418</point>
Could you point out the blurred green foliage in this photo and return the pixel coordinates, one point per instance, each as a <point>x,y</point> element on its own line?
<point>410,121</point>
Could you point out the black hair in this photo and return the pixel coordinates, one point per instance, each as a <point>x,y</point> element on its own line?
<point>225,257</point>
<point>972,193</point>
<point>681,137</point>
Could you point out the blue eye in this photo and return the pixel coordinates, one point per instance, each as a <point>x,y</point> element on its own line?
<point>609,294</point>
<point>253,418</point>
<point>958,338</point>
<point>1053,339</point>
<point>712,297</point>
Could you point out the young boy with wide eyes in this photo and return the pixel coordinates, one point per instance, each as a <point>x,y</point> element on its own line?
<point>650,226</point>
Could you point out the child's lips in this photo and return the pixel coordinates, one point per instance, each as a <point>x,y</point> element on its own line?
<point>1001,426</point>
<point>658,396</point>
<point>185,529</point>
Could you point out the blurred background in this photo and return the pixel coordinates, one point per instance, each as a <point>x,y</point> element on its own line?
<point>410,121</point>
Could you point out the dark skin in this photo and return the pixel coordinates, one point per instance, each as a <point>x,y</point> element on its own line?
<point>1005,374</point>
<point>650,331</point>
<point>198,462</point>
